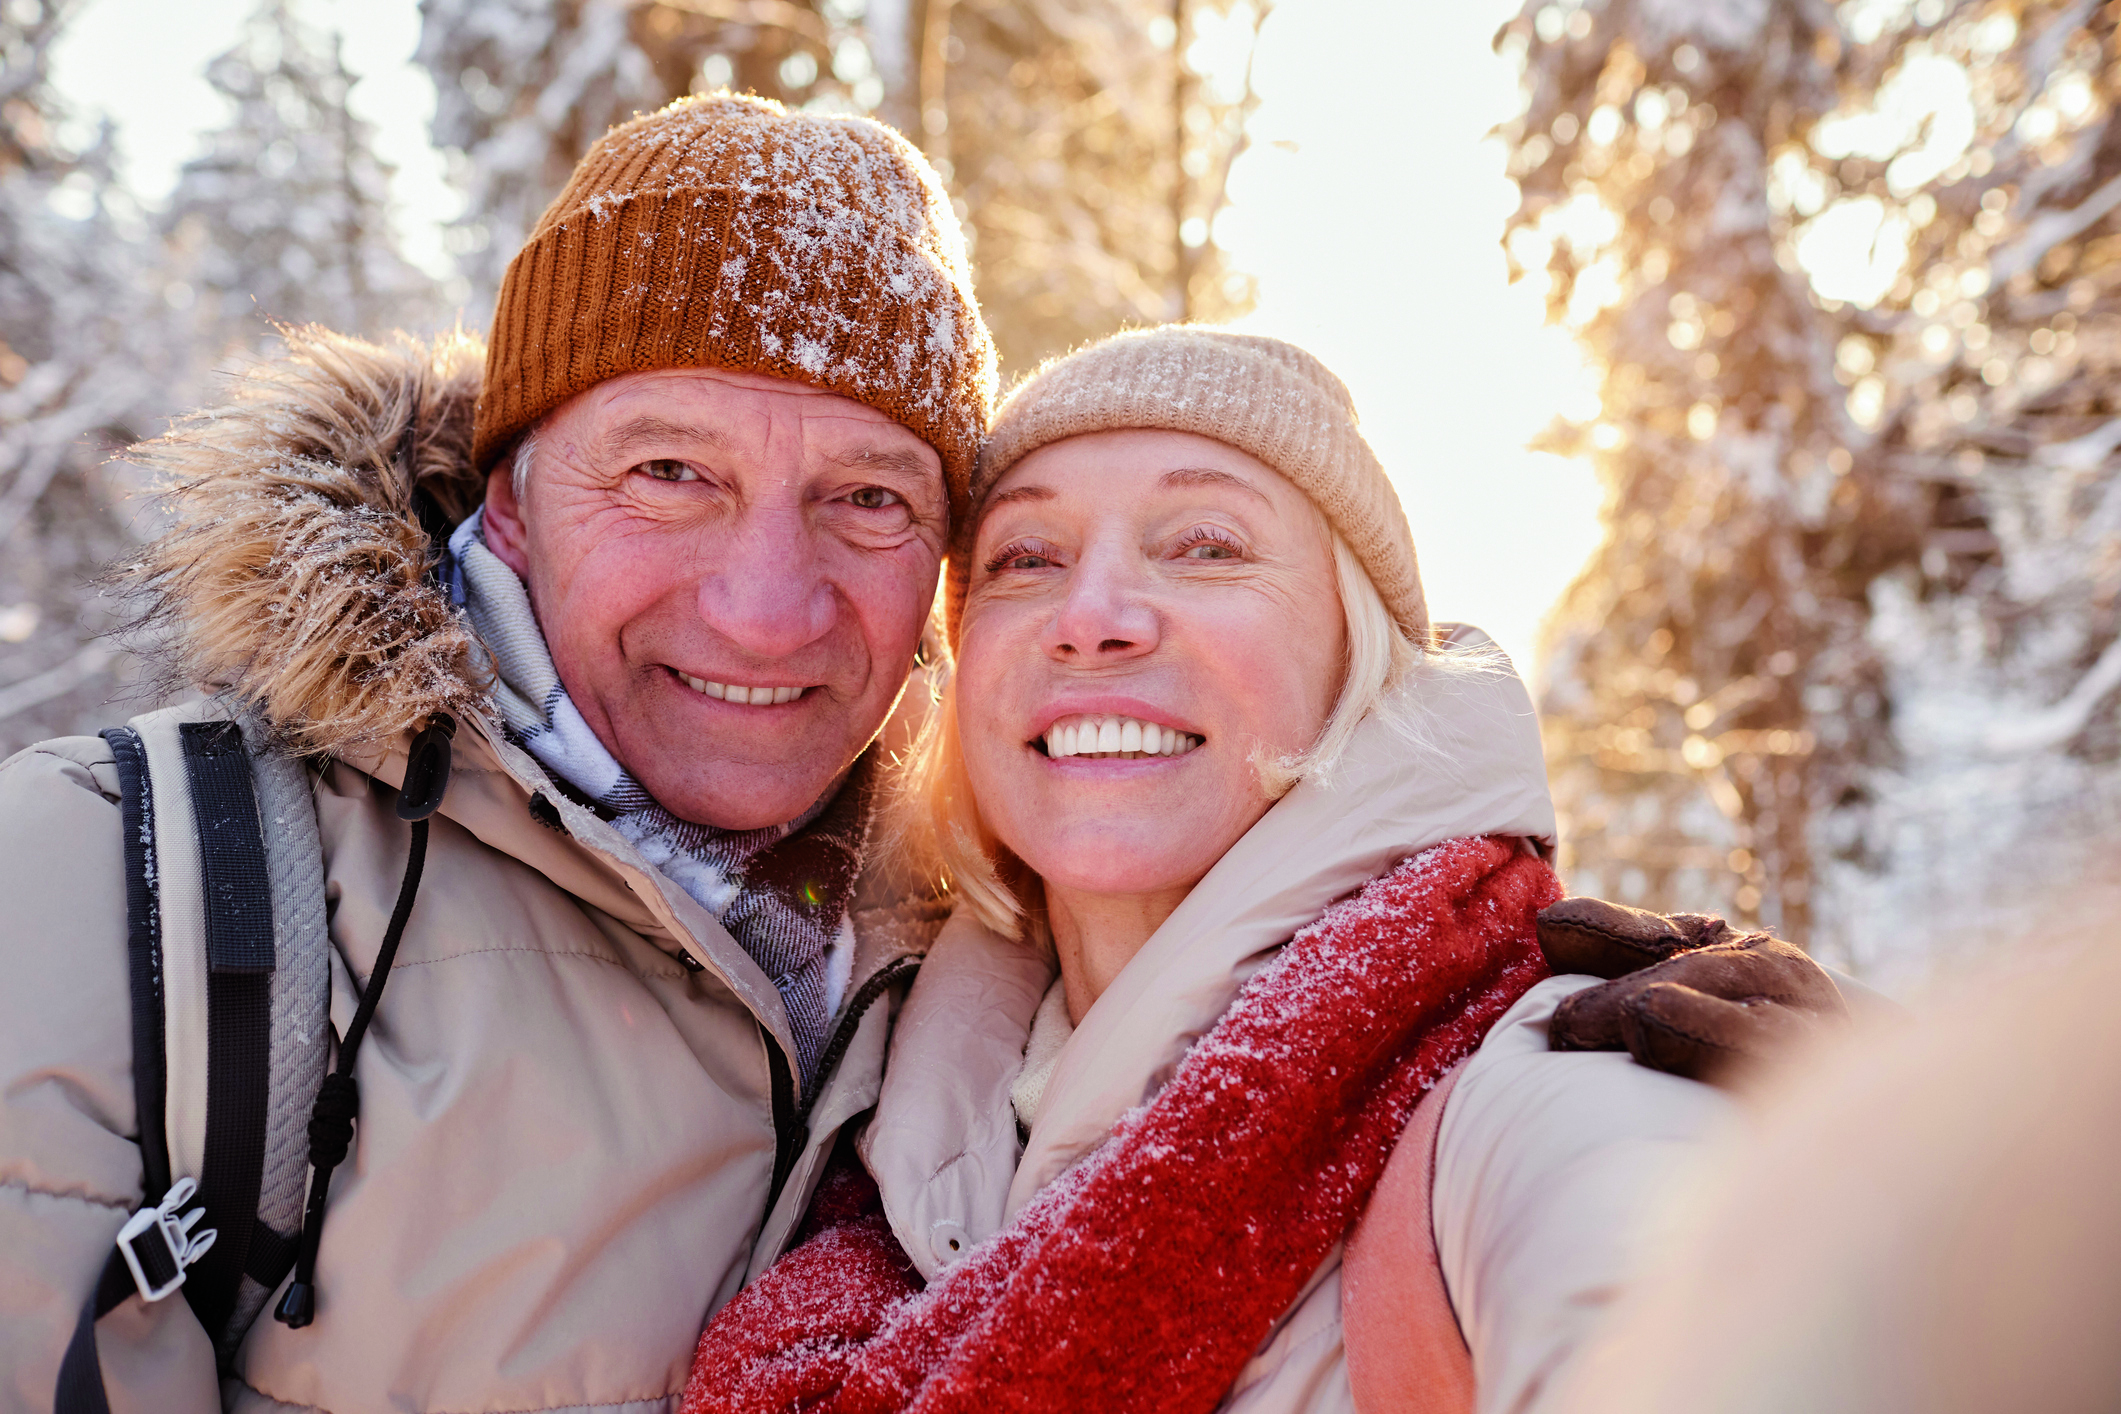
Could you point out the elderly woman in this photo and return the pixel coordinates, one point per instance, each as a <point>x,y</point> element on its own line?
<point>1199,711</point>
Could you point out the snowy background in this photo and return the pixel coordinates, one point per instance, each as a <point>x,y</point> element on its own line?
<point>1762,350</point>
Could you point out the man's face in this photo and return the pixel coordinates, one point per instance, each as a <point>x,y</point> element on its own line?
<point>732,572</point>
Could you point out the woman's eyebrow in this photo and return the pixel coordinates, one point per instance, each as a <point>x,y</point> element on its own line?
<point>1209,476</point>
<point>1022,493</point>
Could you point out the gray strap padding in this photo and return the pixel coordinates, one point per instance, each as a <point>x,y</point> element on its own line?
<point>301,993</point>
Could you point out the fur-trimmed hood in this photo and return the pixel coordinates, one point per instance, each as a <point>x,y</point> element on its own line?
<point>294,573</point>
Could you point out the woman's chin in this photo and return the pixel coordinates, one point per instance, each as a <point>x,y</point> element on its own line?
<point>1128,855</point>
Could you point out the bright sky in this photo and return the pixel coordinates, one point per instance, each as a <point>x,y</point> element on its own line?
<point>1370,207</point>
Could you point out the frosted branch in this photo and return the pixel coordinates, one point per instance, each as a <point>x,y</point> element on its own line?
<point>2086,453</point>
<point>19,697</point>
<point>2051,727</point>
<point>2044,233</point>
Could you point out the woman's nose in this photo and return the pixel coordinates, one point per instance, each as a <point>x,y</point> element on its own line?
<point>1106,616</point>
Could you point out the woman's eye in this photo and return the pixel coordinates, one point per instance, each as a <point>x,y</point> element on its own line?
<point>668,469</point>
<point>1207,545</point>
<point>876,498</point>
<point>1021,556</point>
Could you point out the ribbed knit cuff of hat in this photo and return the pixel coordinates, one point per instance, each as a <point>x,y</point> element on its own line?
<point>1264,397</point>
<point>727,232</point>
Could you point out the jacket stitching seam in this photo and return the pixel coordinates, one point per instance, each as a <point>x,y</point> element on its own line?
<point>116,1205</point>
<point>263,1393</point>
<point>671,975</point>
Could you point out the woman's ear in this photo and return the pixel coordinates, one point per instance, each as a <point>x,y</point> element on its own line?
<point>506,535</point>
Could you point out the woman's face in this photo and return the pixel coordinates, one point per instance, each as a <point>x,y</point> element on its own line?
<point>1147,611</point>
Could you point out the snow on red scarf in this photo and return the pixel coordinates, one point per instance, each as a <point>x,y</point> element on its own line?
<point>1146,1276</point>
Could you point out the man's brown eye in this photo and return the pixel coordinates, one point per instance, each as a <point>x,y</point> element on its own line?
<point>668,469</point>
<point>874,498</point>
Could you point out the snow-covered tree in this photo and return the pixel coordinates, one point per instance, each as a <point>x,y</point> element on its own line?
<point>522,88</point>
<point>84,354</point>
<point>285,215</point>
<point>1842,269</point>
<point>1086,140</point>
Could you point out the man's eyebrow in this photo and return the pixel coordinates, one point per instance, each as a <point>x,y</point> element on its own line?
<point>1209,476</point>
<point>1022,493</point>
<point>649,429</point>
<point>903,460</point>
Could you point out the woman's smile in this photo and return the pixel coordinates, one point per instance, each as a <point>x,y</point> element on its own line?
<point>1105,737</point>
<point>1081,729</point>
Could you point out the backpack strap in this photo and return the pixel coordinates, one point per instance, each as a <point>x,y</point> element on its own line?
<point>301,1020</point>
<point>231,991</point>
<point>156,1260</point>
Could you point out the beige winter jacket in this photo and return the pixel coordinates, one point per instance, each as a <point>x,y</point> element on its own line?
<point>566,1137</point>
<point>1543,1160</point>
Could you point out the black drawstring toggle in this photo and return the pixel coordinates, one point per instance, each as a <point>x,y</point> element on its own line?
<point>427,769</point>
<point>331,1118</point>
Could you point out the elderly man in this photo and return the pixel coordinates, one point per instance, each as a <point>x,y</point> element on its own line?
<point>735,379</point>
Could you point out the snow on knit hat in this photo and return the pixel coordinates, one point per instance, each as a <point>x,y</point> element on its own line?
<point>727,232</point>
<point>1262,396</point>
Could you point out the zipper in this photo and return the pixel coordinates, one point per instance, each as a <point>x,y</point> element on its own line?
<point>791,1120</point>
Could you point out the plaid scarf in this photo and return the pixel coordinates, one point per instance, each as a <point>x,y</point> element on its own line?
<point>782,892</point>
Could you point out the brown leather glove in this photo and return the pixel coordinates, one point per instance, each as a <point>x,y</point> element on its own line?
<point>1689,995</point>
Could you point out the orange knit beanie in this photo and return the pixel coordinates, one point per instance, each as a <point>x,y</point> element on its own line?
<point>727,232</point>
<point>1264,397</point>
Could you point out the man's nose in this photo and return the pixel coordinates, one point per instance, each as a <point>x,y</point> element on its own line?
<point>764,588</point>
<point>1106,616</point>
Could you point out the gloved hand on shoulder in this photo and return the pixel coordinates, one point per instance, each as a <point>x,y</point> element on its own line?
<point>1688,994</point>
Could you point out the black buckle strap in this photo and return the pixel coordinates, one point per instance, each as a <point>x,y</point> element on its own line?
<point>239,964</point>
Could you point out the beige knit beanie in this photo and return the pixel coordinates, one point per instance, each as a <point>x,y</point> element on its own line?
<point>1262,396</point>
<point>727,232</point>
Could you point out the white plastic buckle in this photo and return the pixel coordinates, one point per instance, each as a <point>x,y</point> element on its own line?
<point>174,1233</point>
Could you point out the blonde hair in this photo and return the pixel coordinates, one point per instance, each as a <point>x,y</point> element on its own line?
<point>935,825</point>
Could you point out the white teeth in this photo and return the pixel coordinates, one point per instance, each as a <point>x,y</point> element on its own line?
<point>1102,736</point>
<point>749,696</point>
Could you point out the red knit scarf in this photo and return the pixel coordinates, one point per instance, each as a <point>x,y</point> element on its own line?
<point>1146,1276</point>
